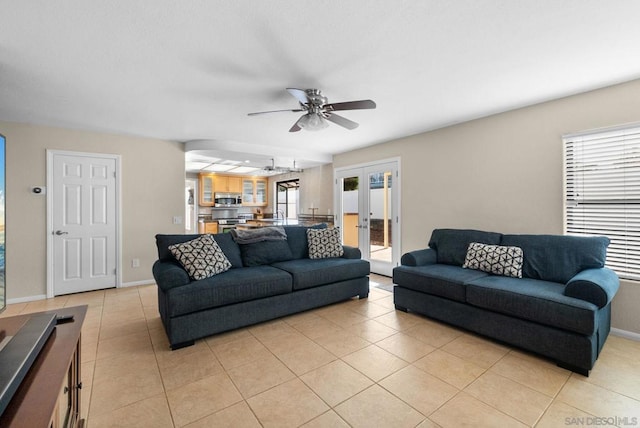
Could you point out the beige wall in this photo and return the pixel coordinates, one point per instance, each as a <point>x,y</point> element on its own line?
<point>316,188</point>
<point>502,173</point>
<point>152,193</point>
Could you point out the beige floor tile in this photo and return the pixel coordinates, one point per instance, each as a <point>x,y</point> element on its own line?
<point>286,341</point>
<point>288,405</point>
<point>240,352</point>
<point>433,333</point>
<point>617,373</point>
<point>400,321</point>
<point>260,375</point>
<point>329,419</point>
<point>151,412</point>
<point>596,400</point>
<point>465,411</point>
<point>131,344</point>
<point>270,330</point>
<point>372,330</point>
<point>428,423</point>
<point>482,352</point>
<point>341,343</point>
<point>375,407</point>
<point>405,347</point>
<point>229,336</point>
<point>376,294</point>
<point>422,391</point>
<point>345,318</point>
<point>305,357</point>
<point>198,399</point>
<point>451,369</point>
<point>386,301</point>
<point>179,369</point>
<point>118,328</point>
<point>375,362</point>
<point>336,382</point>
<point>118,382</point>
<point>316,327</point>
<point>371,309</point>
<point>88,350</point>
<point>510,397</point>
<point>622,347</point>
<point>560,414</point>
<point>531,371</point>
<point>238,415</point>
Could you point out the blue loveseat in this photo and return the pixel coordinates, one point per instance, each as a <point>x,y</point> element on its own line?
<point>267,280</point>
<point>560,307</point>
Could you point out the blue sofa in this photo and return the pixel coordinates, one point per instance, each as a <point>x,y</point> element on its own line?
<point>267,280</point>
<point>560,307</point>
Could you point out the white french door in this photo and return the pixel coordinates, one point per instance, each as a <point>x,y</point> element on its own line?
<point>368,212</point>
<point>82,211</point>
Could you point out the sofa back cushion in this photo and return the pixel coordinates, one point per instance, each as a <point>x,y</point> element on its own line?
<point>265,252</point>
<point>451,244</point>
<point>297,239</point>
<point>558,258</point>
<point>224,240</point>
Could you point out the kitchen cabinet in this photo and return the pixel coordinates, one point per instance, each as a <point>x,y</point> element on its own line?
<point>254,192</point>
<point>211,227</point>
<point>227,184</point>
<point>206,190</point>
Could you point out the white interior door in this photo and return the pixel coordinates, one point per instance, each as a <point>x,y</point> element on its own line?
<point>368,212</point>
<point>82,208</point>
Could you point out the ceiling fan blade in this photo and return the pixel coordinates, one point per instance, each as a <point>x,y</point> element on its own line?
<point>299,95</point>
<point>350,105</point>
<point>342,121</point>
<point>295,127</point>
<point>274,111</point>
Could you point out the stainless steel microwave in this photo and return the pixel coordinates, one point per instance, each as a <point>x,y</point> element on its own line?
<point>227,199</point>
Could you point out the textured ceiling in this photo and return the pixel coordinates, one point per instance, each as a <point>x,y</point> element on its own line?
<point>192,70</point>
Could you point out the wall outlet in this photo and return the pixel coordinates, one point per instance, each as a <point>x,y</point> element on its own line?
<point>177,220</point>
<point>135,263</point>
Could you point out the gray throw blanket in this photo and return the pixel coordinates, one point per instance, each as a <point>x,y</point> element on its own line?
<point>272,233</point>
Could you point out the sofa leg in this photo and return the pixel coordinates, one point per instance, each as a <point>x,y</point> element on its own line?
<point>182,344</point>
<point>363,295</point>
<point>573,368</point>
<point>401,308</point>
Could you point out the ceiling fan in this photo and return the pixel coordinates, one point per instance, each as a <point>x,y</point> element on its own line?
<point>318,110</point>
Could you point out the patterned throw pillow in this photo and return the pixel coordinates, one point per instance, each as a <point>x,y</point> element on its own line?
<point>324,243</point>
<point>201,257</point>
<point>496,259</point>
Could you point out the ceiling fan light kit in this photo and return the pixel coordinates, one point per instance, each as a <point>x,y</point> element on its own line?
<point>319,111</point>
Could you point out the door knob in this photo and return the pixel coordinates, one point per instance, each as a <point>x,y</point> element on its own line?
<point>59,232</point>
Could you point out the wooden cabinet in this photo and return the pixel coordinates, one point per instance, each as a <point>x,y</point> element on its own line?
<point>211,227</point>
<point>227,184</point>
<point>206,190</point>
<point>50,393</point>
<point>254,192</point>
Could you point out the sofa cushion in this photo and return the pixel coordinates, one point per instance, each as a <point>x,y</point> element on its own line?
<point>495,259</point>
<point>439,279</point>
<point>201,257</point>
<point>558,258</point>
<point>308,273</point>
<point>265,252</point>
<point>233,286</point>
<point>324,243</point>
<point>543,302</point>
<point>451,244</point>
<point>297,239</point>
<point>224,240</point>
<point>272,233</point>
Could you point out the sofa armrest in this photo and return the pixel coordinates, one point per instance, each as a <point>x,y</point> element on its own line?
<point>351,252</point>
<point>423,257</point>
<point>169,275</point>
<point>597,286</point>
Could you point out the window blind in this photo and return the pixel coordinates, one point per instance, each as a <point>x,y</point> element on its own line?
<point>602,192</point>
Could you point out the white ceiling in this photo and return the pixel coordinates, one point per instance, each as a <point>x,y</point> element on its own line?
<point>192,70</point>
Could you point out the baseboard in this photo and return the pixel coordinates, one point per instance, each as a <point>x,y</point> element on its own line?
<point>26,299</point>
<point>136,283</point>
<point>626,334</point>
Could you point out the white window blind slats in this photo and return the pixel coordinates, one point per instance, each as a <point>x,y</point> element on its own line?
<point>602,193</point>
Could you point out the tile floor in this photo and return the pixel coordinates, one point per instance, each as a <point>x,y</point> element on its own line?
<point>359,363</point>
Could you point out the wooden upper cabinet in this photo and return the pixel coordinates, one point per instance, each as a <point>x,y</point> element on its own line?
<point>254,192</point>
<point>227,184</point>
<point>206,190</point>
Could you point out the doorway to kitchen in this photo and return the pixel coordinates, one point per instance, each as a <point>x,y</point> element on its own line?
<point>287,197</point>
<point>83,218</point>
<point>368,212</point>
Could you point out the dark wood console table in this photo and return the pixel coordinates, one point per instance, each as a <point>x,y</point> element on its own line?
<point>49,395</point>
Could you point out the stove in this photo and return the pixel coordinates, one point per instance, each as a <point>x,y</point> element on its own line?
<point>228,224</point>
